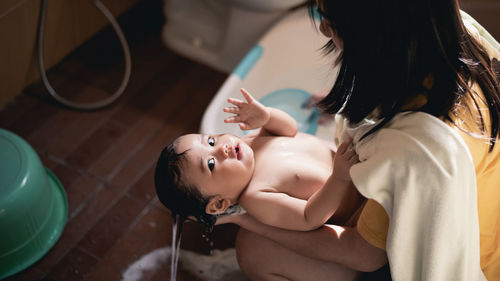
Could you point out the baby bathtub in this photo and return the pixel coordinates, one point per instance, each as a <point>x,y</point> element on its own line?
<point>286,59</point>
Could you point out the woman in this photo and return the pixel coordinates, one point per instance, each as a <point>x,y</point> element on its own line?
<point>420,96</point>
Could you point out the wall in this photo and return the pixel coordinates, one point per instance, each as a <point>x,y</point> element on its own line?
<point>69,23</point>
<point>486,12</point>
<point>72,22</point>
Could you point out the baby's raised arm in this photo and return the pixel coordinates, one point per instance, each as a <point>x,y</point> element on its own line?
<point>253,115</point>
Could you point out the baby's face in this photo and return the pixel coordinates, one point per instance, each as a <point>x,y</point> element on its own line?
<point>216,164</point>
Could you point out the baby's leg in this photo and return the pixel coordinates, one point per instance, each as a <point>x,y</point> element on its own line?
<point>263,259</point>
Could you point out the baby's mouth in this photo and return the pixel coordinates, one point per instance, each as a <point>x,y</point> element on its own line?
<point>238,153</point>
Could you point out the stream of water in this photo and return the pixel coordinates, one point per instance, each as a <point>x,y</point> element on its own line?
<point>176,243</point>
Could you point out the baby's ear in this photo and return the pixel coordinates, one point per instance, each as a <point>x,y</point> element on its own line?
<point>217,205</point>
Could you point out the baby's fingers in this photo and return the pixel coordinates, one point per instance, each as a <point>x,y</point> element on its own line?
<point>232,109</point>
<point>232,119</point>
<point>344,146</point>
<point>247,95</point>
<point>354,159</point>
<point>349,153</point>
<point>236,102</point>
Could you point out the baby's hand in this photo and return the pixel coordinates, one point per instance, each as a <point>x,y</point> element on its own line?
<point>249,115</point>
<point>345,158</point>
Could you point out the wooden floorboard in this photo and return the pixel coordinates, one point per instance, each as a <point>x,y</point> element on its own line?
<point>105,159</point>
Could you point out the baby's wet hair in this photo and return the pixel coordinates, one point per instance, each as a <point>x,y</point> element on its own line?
<point>179,197</point>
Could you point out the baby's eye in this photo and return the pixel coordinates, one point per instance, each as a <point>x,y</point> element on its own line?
<point>211,164</point>
<point>211,141</point>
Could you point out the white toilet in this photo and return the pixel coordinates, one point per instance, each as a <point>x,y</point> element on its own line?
<point>218,33</point>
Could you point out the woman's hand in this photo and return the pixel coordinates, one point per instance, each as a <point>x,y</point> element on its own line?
<point>249,115</point>
<point>243,220</point>
<point>345,158</point>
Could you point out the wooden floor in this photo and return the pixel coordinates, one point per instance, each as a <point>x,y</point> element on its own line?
<point>105,159</point>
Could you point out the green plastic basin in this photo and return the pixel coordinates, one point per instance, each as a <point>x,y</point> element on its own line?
<point>33,206</point>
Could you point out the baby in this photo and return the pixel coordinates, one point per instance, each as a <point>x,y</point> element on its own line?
<point>279,176</point>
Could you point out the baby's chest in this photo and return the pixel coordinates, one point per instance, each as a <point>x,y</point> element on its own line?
<point>297,176</point>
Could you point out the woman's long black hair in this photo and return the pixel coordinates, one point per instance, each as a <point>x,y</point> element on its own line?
<point>391,46</point>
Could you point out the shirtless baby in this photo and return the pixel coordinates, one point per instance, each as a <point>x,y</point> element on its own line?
<point>279,176</point>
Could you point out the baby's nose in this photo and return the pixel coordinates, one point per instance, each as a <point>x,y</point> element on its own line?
<point>224,150</point>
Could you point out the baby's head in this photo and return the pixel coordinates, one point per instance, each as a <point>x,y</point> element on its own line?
<point>202,175</point>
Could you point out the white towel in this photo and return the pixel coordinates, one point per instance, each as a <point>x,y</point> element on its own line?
<point>420,170</point>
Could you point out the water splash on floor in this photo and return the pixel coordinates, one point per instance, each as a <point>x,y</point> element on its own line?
<point>220,266</point>
<point>149,262</point>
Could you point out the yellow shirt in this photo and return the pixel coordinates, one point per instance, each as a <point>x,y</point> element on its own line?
<point>373,223</point>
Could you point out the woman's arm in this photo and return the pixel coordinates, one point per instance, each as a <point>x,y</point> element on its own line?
<point>284,211</point>
<point>332,243</point>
